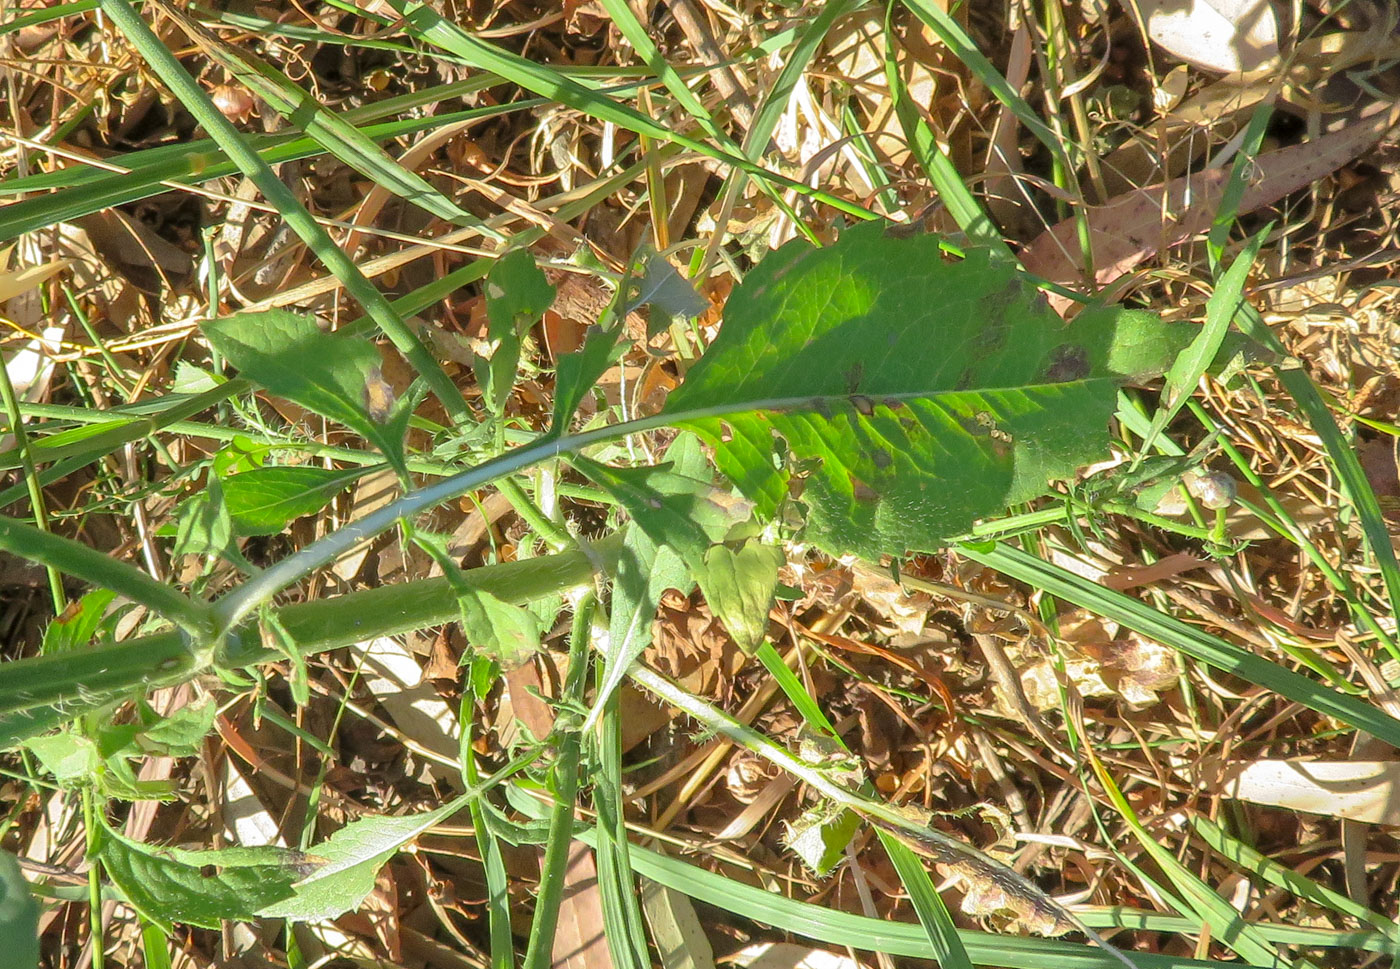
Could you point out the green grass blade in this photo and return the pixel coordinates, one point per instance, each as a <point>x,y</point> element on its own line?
<point>1286,878</point>
<point>96,441</point>
<point>864,934</point>
<point>1227,927</point>
<point>1241,174</point>
<point>952,190</point>
<point>948,30</point>
<point>617,884</point>
<point>1176,634</point>
<point>933,915</point>
<point>337,136</point>
<point>1221,309</point>
<point>635,33</point>
<point>36,18</point>
<point>173,73</point>
<point>540,79</point>
<point>1345,463</point>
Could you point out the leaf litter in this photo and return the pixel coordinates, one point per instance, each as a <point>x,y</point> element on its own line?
<point>1325,179</point>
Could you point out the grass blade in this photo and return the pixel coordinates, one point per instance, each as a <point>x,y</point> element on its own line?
<point>1222,307</point>
<point>1175,634</point>
<point>337,136</point>
<point>540,79</point>
<point>173,73</point>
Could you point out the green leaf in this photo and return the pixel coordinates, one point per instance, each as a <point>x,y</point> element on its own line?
<point>348,862</point>
<point>501,630</point>
<point>644,571</point>
<point>264,500</point>
<point>239,455</point>
<point>577,372</point>
<point>739,585</point>
<point>288,355</point>
<point>19,916</point>
<point>1224,303</point>
<point>517,294</point>
<point>201,888</point>
<point>915,394</point>
<point>670,295</point>
<point>820,834</point>
<point>693,518</point>
<point>68,756</point>
<point>203,526</point>
<point>682,512</point>
<point>79,623</point>
<point>180,733</point>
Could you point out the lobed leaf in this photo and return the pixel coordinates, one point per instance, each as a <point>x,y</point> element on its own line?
<point>517,294</point>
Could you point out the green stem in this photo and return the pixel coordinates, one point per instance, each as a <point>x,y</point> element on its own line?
<point>241,603</point>
<point>31,480</point>
<point>554,871</point>
<point>555,536</point>
<point>90,826</point>
<point>77,559</point>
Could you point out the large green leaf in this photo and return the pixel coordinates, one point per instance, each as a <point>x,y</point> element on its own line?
<point>916,394</point>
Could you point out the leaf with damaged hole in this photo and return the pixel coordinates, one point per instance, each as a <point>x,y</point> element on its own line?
<point>819,837</point>
<point>915,394</point>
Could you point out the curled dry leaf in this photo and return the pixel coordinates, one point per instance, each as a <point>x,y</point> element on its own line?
<point>234,102</point>
<point>1101,661</point>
